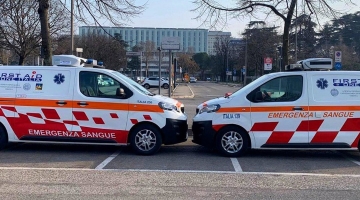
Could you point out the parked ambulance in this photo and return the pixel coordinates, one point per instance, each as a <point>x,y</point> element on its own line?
<point>65,103</point>
<point>306,107</point>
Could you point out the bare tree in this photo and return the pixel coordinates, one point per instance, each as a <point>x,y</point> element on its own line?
<point>148,49</point>
<point>20,26</point>
<point>212,11</point>
<point>116,11</point>
<point>187,64</point>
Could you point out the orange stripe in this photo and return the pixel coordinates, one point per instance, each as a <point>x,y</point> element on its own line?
<point>74,104</point>
<point>334,108</point>
<point>42,103</point>
<point>234,109</point>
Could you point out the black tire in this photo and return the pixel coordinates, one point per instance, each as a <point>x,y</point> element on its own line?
<point>3,138</point>
<point>153,142</point>
<point>147,86</point>
<point>234,150</point>
<point>165,86</point>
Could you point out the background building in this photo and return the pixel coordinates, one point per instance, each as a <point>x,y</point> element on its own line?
<point>214,36</point>
<point>191,40</point>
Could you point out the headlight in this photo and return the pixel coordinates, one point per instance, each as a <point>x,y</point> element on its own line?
<point>209,108</point>
<point>167,106</point>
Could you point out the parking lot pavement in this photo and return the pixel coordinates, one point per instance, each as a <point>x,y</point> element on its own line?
<point>186,157</point>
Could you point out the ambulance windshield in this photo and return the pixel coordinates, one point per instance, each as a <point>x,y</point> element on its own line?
<point>133,83</point>
<point>250,84</point>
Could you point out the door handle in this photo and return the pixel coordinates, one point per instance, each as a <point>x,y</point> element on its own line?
<point>298,108</point>
<point>61,103</point>
<point>82,103</point>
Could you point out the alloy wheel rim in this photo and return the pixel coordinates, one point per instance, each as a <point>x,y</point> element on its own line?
<point>145,140</point>
<point>232,142</point>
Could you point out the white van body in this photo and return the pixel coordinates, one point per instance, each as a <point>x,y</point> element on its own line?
<point>66,104</point>
<point>303,110</point>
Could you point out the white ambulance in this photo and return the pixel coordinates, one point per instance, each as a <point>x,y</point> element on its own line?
<point>306,107</point>
<point>66,103</point>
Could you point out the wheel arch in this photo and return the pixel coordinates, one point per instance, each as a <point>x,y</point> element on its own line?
<point>236,126</point>
<point>6,132</point>
<point>143,123</point>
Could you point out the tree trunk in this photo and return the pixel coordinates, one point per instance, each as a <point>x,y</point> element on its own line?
<point>21,60</point>
<point>45,31</point>
<point>285,48</point>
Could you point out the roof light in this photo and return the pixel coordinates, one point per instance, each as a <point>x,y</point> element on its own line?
<point>316,64</point>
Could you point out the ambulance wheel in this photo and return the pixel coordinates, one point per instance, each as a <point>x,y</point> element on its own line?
<point>166,86</point>
<point>145,139</point>
<point>147,86</point>
<point>3,138</point>
<point>231,141</point>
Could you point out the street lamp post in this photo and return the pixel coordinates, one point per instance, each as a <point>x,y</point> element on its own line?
<point>72,27</point>
<point>159,49</point>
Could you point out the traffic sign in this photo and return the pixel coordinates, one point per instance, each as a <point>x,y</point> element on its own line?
<point>337,56</point>
<point>133,53</point>
<point>338,65</point>
<point>170,43</point>
<point>267,63</point>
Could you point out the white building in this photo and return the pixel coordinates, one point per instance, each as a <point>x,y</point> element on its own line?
<point>194,40</point>
<point>213,37</point>
<point>191,40</point>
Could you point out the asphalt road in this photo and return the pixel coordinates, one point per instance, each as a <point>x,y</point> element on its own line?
<point>183,171</point>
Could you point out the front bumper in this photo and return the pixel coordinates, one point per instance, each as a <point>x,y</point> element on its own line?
<point>175,131</point>
<point>203,133</point>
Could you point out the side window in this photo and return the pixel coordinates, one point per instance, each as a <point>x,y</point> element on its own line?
<point>281,89</point>
<point>94,84</point>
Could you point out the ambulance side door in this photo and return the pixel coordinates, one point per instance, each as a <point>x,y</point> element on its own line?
<point>279,112</point>
<point>99,110</point>
<point>43,104</point>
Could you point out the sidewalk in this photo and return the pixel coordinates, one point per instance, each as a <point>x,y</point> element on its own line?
<point>182,91</point>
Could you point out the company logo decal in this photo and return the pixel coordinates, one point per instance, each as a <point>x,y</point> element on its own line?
<point>322,83</point>
<point>26,86</point>
<point>59,78</point>
<point>334,92</point>
<point>346,82</point>
<point>38,86</point>
<point>33,77</point>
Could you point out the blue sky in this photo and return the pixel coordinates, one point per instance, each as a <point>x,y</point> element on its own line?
<point>178,14</point>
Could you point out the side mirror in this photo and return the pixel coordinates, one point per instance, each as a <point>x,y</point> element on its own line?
<point>120,92</point>
<point>259,96</point>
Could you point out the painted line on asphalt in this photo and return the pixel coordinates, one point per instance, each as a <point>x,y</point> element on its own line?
<point>348,158</point>
<point>236,165</point>
<point>108,160</point>
<point>184,171</point>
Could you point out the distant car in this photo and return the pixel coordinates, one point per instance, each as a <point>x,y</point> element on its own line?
<point>193,80</point>
<point>208,79</point>
<point>154,82</point>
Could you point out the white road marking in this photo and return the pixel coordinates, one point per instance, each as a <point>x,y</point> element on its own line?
<point>236,165</point>
<point>183,171</point>
<point>348,158</point>
<point>108,160</point>
<point>211,95</point>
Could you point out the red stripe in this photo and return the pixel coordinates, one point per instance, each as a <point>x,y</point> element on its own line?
<point>13,109</point>
<point>50,113</point>
<point>264,126</point>
<point>309,125</point>
<point>282,137</point>
<point>134,121</point>
<point>356,141</point>
<point>147,117</point>
<point>324,137</point>
<point>79,115</point>
<point>37,115</point>
<point>351,124</point>
<point>71,122</point>
<point>217,127</point>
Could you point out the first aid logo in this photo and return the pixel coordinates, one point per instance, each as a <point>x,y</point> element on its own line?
<point>59,78</point>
